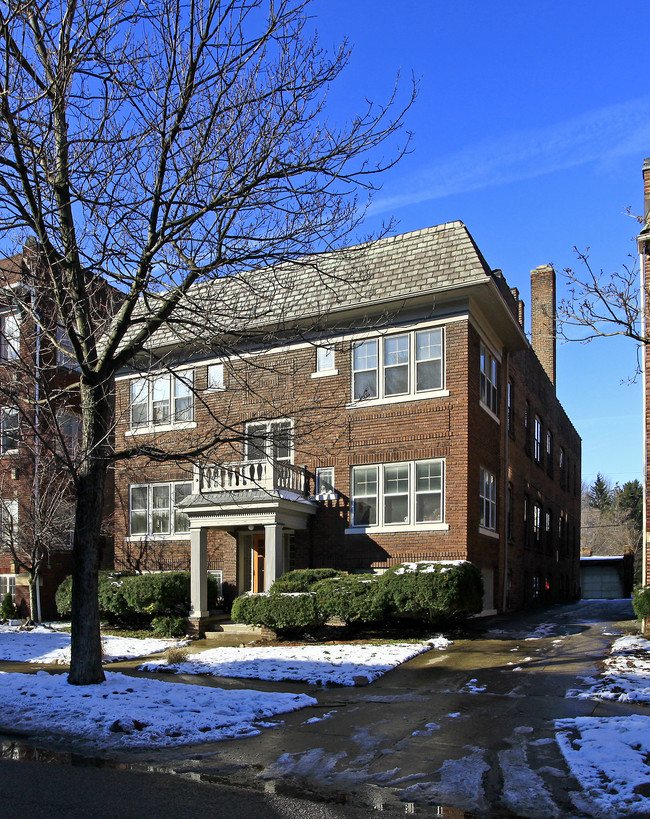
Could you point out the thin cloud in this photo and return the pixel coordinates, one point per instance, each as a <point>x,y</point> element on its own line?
<point>617,130</point>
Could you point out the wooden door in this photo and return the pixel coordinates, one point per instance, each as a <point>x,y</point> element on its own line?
<point>258,563</point>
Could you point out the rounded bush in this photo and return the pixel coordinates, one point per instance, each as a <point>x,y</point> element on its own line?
<point>357,598</point>
<point>280,612</point>
<point>301,580</point>
<point>112,605</point>
<point>434,592</point>
<point>158,593</point>
<point>641,602</point>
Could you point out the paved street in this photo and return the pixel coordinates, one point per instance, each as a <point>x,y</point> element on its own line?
<point>469,728</point>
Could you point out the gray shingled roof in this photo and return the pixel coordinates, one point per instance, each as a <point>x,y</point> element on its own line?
<point>388,269</point>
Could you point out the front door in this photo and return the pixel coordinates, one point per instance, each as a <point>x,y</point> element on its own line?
<point>258,563</point>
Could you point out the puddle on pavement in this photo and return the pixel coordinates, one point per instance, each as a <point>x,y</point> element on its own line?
<point>370,797</point>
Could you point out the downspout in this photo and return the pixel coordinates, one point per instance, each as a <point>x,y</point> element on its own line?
<point>506,472</point>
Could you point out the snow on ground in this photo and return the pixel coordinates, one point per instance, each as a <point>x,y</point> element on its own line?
<point>43,645</point>
<point>330,664</point>
<point>131,712</point>
<point>610,756</point>
<point>626,674</point>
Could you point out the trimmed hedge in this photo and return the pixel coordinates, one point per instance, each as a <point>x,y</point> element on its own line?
<point>112,605</point>
<point>356,598</point>
<point>301,580</point>
<point>129,599</point>
<point>434,592</point>
<point>641,602</point>
<point>278,611</point>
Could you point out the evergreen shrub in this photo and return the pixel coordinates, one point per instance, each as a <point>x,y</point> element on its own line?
<point>301,580</point>
<point>278,611</point>
<point>8,608</point>
<point>436,593</point>
<point>641,602</point>
<point>355,598</point>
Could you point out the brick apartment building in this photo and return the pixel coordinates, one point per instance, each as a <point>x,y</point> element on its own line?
<point>38,422</point>
<point>401,415</point>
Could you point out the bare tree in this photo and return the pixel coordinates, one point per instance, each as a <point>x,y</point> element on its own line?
<point>156,147</point>
<point>39,524</point>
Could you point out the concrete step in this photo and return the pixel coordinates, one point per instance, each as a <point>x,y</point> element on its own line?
<point>227,628</point>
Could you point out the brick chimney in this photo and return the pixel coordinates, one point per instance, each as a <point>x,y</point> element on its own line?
<point>542,317</point>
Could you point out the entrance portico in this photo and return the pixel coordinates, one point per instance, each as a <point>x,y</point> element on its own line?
<point>260,518</point>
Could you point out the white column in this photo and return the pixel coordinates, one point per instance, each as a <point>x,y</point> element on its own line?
<point>273,562</point>
<point>199,572</point>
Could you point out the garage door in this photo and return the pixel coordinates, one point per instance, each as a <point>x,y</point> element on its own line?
<point>601,581</point>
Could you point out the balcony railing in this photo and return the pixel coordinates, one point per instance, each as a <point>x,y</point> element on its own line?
<point>265,475</point>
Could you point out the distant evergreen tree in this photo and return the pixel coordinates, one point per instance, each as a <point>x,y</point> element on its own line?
<point>600,494</point>
<point>629,499</point>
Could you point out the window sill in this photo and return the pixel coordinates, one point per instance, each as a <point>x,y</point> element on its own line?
<point>398,527</point>
<point>492,414</point>
<point>155,428</point>
<point>397,399</point>
<point>149,538</point>
<point>210,390</point>
<point>488,532</point>
<point>324,373</point>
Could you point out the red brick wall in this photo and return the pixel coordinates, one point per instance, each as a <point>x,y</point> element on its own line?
<point>327,433</point>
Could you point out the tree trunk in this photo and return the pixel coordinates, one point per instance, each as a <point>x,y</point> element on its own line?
<point>86,647</point>
<point>33,607</point>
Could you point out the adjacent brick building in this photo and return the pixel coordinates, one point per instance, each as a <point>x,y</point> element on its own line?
<point>38,421</point>
<point>644,256</point>
<point>390,409</point>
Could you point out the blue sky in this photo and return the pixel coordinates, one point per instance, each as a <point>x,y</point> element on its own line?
<point>531,126</point>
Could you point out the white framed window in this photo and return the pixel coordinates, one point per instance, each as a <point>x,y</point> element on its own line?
<point>9,429</point>
<point>9,336</point>
<point>489,387</point>
<point>325,360</point>
<point>395,366</point>
<point>488,497</point>
<point>269,440</point>
<point>364,370</point>
<point>537,439</point>
<point>537,524</point>
<point>324,480</point>
<point>153,509</point>
<point>398,495</point>
<point>8,586</point>
<point>216,379</point>
<point>8,520</point>
<point>162,400</point>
